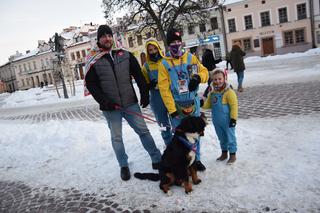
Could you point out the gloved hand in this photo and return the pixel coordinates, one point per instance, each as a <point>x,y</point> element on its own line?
<point>112,106</point>
<point>201,102</point>
<point>232,123</point>
<point>153,84</point>
<point>194,82</point>
<point>175,114</point>
<point>144,101</point>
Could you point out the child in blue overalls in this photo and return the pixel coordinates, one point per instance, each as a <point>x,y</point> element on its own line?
<point>222,100</point>
<point>150,71</point>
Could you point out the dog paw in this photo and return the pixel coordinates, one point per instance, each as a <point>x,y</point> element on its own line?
<point>196,182</point>
<point>169,193</point>
<point>188,191</point>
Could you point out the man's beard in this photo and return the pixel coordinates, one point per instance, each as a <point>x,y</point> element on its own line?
<point>107,46</point>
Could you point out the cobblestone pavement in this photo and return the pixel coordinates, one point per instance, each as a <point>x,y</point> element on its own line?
<point>258,101</point>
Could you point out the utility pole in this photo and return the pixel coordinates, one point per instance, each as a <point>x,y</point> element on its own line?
<point>312,23</point>
<point>221,9</point>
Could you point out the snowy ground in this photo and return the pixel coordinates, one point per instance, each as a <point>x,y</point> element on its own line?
<point>277,167</point>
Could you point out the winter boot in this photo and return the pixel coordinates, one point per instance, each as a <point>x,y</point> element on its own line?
<point>223,156</point>
<point>199,166</point>
<point>240,89</point>
<point>125,173</point>
<point>232,158</point>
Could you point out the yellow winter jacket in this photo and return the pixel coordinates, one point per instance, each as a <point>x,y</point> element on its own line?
<point>229,97</point>
<point>152,65</point>
<point>164,80</point>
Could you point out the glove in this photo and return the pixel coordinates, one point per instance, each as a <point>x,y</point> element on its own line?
<point>153,84</point>
<point>194,82</point>
<point>144,101</point>
<point>175,114</point>
<point>232,123</point>
<point>112,106</point>
<point>201,102</point>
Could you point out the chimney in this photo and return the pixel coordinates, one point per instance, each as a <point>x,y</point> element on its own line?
<point>28,51</point>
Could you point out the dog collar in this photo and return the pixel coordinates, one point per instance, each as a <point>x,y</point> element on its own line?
<point>186,142</point>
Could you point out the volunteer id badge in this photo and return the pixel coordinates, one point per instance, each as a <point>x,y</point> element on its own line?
<point>183,86</point>
<point>194,69</point>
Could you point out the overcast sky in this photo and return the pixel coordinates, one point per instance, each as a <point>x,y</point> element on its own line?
<point>23,23</point>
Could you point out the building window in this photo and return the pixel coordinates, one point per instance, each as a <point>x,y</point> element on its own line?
<point>20,68</point>
<point>248,22</point>
<point>299,34</point>
<point>73,57</point>
<point>83,52</point>
<point>265,19</point>
<point>130,41</point>
<point>34,65</point>
<point>139,39</point>
<point>232,25</point>
<point>256,43</point>
<point>214,23</point>
<point>29,66</point>
<point>318,37</point>
<point>288,38</point>
<point>202,27</point>
<point>191,29</point>
<point>47,61</point>
<point>42,63</point>
<point>283,17</point>
<point>247,44</point>
<point>302,11</point>
<point>294,37</point>
<point>22,82</point>
<point>25,67</point>
<point>78,54</point>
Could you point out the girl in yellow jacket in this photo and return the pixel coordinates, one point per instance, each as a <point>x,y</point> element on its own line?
<point>222,100</point>
<point>150,71</point>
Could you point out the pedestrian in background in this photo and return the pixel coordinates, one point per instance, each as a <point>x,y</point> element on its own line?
<point>108,79</point>
<point>236,57</point>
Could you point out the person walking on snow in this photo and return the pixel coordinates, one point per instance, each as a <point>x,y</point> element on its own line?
<point>222,100</point>
<point>108,79</point>
<point>150,71</point>
<point>180,74</point>
<point>236,57</point>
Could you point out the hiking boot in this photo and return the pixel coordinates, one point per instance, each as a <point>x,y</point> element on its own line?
<point>232,158</point>
<point>199,166</point>
<point>223,156</point>
<point>125,173</point>
<point>156,166</point>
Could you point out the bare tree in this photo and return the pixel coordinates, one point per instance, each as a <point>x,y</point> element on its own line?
<point>158,16</point>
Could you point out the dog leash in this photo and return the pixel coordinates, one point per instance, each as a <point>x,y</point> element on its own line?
<point>135,113</point>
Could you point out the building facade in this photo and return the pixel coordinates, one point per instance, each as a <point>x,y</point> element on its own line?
<point>269,27</point>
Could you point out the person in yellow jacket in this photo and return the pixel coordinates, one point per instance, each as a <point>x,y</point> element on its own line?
<point>179,76</point>
<point>223,102</point>
<point>150,71</point>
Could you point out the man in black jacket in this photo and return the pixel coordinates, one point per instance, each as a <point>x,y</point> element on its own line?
<point>108,79</point>
<point>209,62</point>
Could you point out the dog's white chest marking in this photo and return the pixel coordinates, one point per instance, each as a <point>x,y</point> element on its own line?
<point>192,137</point>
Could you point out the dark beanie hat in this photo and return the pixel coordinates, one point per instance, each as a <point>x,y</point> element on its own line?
<point>173,35</point>
<point>102,30</point>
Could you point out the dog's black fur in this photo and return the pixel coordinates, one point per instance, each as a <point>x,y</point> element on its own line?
<point>175,161</point>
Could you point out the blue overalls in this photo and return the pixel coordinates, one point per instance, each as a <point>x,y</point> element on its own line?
<point>158,107</point>
<point>220,119</point>
<point>183,72</point>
